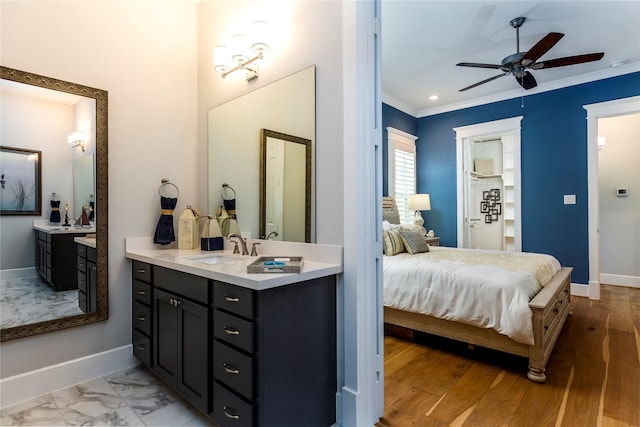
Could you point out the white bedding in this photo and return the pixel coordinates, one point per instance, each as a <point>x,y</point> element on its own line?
<point>489,289</point>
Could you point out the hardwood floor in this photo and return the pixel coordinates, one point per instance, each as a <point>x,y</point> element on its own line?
<point>593,375</point>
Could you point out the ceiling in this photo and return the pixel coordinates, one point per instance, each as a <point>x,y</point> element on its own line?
<point>423,40</point>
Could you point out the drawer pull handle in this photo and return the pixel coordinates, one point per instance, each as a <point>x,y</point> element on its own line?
<point>231,331</point>
<point>142,318</point>
<point>230,369</point>
<point>142,292</point>
<point>142,270</point>
<point>231,299</point>
<point>228,415</point>
<point>141,347</point>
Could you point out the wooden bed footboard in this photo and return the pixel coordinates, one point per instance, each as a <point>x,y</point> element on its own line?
<point>550,308</point>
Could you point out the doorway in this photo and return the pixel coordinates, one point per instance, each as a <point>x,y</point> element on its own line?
<point>595,112</point>
<point>488,165</point>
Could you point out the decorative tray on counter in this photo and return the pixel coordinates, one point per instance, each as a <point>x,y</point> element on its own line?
<point>276,264</point>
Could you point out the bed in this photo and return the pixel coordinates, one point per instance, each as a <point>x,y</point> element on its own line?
<point>452,293</point>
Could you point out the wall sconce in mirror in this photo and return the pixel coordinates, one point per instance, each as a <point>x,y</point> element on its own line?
<point>78,139</point>
<point>243,53</point>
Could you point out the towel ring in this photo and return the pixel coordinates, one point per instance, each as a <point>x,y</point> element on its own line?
<point>164,186</point>
<point>227,187</point>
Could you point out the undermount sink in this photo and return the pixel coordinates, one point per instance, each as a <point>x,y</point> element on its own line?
<point>214,259</point>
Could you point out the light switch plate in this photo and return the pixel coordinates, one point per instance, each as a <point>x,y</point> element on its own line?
<point>569,199</point>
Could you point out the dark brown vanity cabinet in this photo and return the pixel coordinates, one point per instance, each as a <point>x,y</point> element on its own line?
<point>86,271</point>
<point>55,260</point>
<point>244,357</point>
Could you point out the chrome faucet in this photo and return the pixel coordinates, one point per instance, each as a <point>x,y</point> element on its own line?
<point>274,233</point>
<point>243,243</point>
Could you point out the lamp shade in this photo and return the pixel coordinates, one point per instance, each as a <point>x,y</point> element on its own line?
<point>419,202</point>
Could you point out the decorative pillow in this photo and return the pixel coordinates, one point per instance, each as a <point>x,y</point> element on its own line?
<point>414,241</point>
<point>386,226</point>
<point>393,243</point>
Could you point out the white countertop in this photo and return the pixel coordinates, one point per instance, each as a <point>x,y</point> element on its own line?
<point>47,227</point>
<point>319,261</point>
<point>87,241</point>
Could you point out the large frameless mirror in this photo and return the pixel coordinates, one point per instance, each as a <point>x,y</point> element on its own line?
<point>286,106</point>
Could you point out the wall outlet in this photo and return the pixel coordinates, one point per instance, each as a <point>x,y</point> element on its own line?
<point>569,199</point>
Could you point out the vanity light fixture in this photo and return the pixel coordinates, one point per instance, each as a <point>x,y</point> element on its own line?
<point>242,55</point>
<point>78,139</point>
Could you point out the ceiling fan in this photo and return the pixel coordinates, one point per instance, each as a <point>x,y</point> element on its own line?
<point>519,63</point>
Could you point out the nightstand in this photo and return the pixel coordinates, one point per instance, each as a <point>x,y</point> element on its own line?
<point>433,241</point>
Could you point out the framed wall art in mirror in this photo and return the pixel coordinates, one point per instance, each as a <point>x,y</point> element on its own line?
<point>285,187</point>
<point>20,181</point>
<point>86,111</point>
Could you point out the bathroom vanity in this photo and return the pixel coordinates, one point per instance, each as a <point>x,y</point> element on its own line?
<point>246,349</point>
<point>55,252</point>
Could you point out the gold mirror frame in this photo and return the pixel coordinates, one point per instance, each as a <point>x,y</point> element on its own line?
<point>264,134</point>
<point>101,199</point>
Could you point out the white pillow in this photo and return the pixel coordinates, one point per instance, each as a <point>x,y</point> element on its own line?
<point>386,226</point>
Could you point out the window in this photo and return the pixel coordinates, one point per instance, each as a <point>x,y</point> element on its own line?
<point>402,170</point>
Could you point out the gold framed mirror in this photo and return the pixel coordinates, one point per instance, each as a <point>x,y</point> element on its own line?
<point>101,202</point>
<point>285,187</point>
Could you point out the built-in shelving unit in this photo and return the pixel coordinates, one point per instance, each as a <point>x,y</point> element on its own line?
<point>509,193</point>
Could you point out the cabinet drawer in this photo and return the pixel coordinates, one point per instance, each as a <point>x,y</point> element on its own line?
<point>81,263</point>
<point>81,250</point>
<point>234,299</point>
<point>141,292</point>
<point>141,317</point>
<point>142,347</point>
<point>229,409</point>
<point>233,330</point>
<point>183,284</point>
<point>141,271</point>
<point>82,281</point>
<point>233,368</point>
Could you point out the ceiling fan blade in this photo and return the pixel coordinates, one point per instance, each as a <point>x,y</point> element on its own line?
<point>527,81</point>
<point>568,60</point>
<point>477,65</point>
<point>540,48</point>
<point>483,82</point>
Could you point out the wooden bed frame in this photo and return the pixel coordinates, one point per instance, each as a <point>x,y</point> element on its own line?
<point>550,308</point>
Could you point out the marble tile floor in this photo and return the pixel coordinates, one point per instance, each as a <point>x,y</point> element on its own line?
<point>131,397</point>
<point>28,300</point>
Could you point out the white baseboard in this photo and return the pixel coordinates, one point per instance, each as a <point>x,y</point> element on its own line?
<point>579,290</point>
<point>620,280</point>
<point>55,377</point>
<point>18,273</point>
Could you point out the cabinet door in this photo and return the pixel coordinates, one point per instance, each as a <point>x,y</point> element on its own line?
<point>193,354</point>
<point>181,346</point>
<point>92,272</point>
<point>165,336</point>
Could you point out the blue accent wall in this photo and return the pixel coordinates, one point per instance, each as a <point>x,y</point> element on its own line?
<point>554,163</point>
<point>392,117</point>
